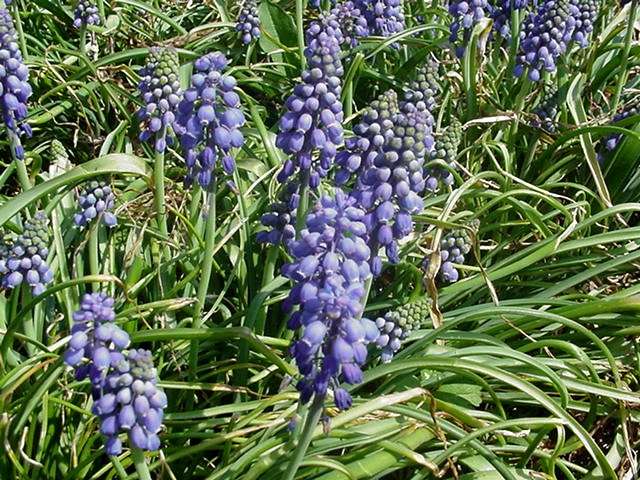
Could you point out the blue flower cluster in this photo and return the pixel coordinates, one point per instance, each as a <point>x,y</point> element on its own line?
<point>311,129</point>
<point>352,23</point>
<point>501,15</point>
<point>547,110</point>
<point>85,13</point>
<point>396,325</point>
<point>209,119</point>
<point>329,271</point>
<point>387,158</point>
<point>124,389</point>
<point>545,36</point>
<point>96,199</point>
<point>453,248</point>
<point>160,93</point>
<point>384,18</point>
<point>23,258</point>
<point>466,13</point>
<point>445,151</point>
<point>280,217</point>
<point>248,23</point>
<point>426,85</point>
<point>585,12</point>
<point>14,82</point>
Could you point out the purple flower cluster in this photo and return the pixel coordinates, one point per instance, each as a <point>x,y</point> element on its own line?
<point>445,151</point>
<point>23,258</point>
<point>210,118</point>
<point>160,93</point>
<point>311,129</point>
<point>466,13</point>
<point>15,89</point>
<point>248,23</point>
<point>453,247</point>
<point>281,216</point>
<point>385,18</point>
<point>387,158</point>
<point>96,199</point>
<point>353,24</point>
<point>545,36</point>
<point>585,12</point>
<point>396,325</point>
<point>329,271</point>
<point>86,13</point>
<point>501,15</point>
<point>426,85</point>
<point>124,389</point>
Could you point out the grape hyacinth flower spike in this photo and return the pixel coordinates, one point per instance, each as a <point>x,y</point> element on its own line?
<point>96,200</point>
<point>465,13</point>
<point>353,24</point>
<point>385,18</point>
<point>124,391</point>
<point>611,142</point>
<point>446,151</point>
<point>248,23</point>
<point>329,270</point>
<point>14,80</point>
<point>86,13</point>
<point>160,92</point>
<point>281,216</point>
<point>210,120</point>
<point>311,129</point>
<point>453,248</point>
<point>501,15</point>
<point>396,325</point>
<point>544,38</point>
<point>23,258</point>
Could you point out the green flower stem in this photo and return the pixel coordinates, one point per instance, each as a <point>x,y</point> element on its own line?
<point>18,24</point>
<point>140,464</point>
<point>205,276</point>
<point>300,5</point>
<point>624,72</point>
<point>23,176</point>
<point>312,419</point>
<point>158,198</point>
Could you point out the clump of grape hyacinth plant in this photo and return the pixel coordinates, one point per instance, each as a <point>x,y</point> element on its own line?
<point>160,93</point>
<point>446,151</point>
<point>329,271</point>
<point>23,258</point>
<point>248,23</point>
<point>96,200</point>
<point>123,383</point>
<point>465,13</point>
<point>453,248</point>
<point>86,13</point>
<point>16,89</point>
<point>544,38</point>
<point>396,325</point>
<point>311,129</point>
<point>210,120</point>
